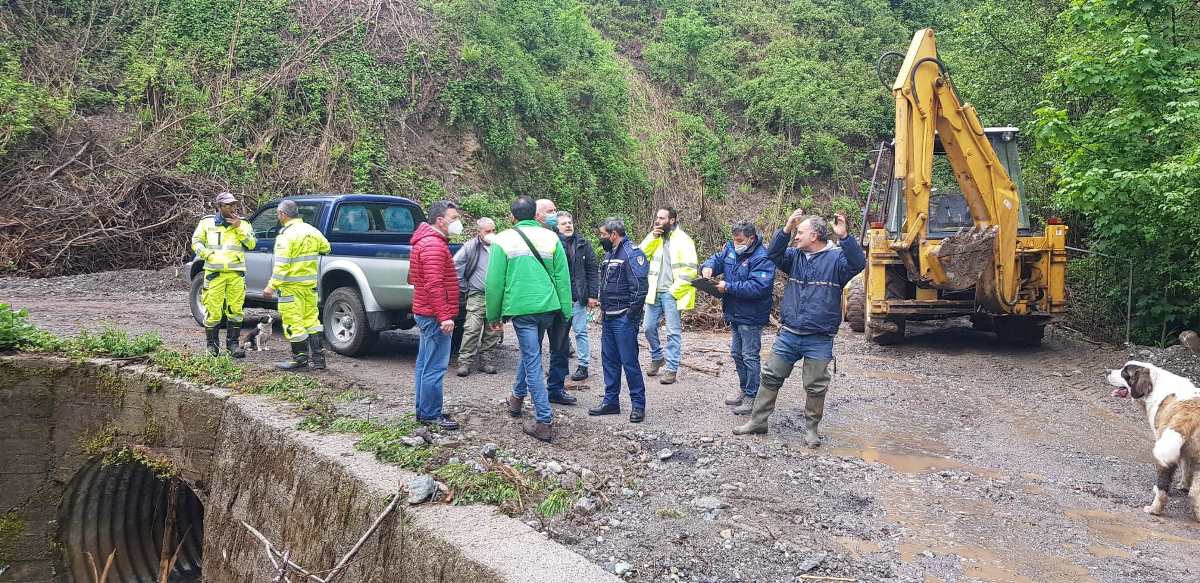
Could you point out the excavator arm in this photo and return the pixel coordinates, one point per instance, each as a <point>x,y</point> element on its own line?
<point>984,256</point>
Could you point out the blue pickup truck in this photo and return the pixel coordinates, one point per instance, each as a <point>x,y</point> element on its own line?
<point>363,287</point>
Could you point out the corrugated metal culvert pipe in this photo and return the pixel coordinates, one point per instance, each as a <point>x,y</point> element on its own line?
<point>126,508</point>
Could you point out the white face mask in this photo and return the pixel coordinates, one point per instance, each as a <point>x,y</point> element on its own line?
<point>489,238</point>
<point>455,228</point>
<point>739,249</point>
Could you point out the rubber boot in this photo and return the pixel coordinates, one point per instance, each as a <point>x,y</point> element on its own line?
<point>232,340</point>
<point>774,372</point>
<point>814,407</point>
<point>764,405</point>
<point>299,357</point>
<point>316,356</point>
<point>213,338</point>
<point>815,374</point>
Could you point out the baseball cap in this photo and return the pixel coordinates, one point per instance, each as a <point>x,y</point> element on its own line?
<point>225,198</point>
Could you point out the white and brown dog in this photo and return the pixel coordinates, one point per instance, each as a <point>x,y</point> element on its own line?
<point>1172,405</point>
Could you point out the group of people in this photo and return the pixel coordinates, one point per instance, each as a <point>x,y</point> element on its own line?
<point>221,242</point>
<point>544,277</point>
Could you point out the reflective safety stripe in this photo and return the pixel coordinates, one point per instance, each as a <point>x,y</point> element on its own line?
<point>297,259</point>
<point>286,299</point>
<point>301,338</point>
<point>316,329</point>
<point>224,266</point>
<point>813,282</point>
<point>294,278</point>
<point>231,247</point>
<point>678,265</point>
<point>525,253</point>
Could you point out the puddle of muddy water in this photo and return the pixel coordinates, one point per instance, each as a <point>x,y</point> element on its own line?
<point>1123,530</point>
<point>908,463</point>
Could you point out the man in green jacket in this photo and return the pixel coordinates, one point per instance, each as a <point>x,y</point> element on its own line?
<point>529,281</point>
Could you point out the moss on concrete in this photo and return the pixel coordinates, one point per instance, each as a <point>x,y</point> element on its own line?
<point>12,527</point>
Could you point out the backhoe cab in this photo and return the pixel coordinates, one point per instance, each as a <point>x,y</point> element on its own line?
<point>956,239</point>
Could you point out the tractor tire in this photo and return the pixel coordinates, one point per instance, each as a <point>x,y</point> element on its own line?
<point>1019,331</point>
<point>344,317</point>
<point>856,303</point>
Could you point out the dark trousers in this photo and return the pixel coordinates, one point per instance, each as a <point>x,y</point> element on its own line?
<point>560,353</point>
<point>619,350</point>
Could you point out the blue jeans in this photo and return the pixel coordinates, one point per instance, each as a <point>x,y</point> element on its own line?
<point>793,347</point>
<point>619,350</point>
<point>530,329</point>
<point>433,357</point>
<point>579,325</point>
<point>664,307</point>
<point>745,349</point>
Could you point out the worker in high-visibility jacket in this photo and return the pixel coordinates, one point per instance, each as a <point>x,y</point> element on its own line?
<point>298,250</point>
<point>673,263</point>
<point>221,241</point>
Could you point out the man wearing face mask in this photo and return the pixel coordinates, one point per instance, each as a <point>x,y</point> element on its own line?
<point>623,288</point>
<point>221,241</point>
<point>811,312</point>
<point>558,335</point>
<point>746,288</point>
<point>478,339</point>
<point>435,304</point>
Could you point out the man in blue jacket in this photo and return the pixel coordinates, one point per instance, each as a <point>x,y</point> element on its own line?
<point>623,285</point>
<point>748,279</point>
<point>811,312</point>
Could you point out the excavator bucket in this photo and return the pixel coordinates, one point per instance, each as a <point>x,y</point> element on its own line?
<point>966,255</point>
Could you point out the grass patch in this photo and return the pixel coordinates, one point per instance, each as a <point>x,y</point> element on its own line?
<point>670,513</point>
<point>212,370</point>
<point>490,487</point>
<point>556,502</point>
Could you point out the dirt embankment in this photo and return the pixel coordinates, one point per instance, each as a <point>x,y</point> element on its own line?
<point>949,458</point>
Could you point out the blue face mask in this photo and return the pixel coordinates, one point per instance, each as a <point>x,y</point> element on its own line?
<point>220,220</point>
<point>552,221</point>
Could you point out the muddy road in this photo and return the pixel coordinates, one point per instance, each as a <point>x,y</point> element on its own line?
<point>950,458</point>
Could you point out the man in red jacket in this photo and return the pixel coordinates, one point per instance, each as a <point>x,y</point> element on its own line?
<point>435,304</point>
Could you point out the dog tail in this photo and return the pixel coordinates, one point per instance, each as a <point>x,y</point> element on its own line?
<point>1167,448</point>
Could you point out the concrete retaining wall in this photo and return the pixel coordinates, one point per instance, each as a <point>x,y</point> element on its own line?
<point>244,459</point>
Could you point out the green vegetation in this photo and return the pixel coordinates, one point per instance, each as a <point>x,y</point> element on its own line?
<point>764,104</point>
<point>512,489</point>
<point>16,333</point>
<point>1122,138</point>
<point>12,526</point>
<point>162,469</point>
<point>202,368</point>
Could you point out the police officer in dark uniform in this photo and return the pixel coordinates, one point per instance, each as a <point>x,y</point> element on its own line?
<point>623,285</point>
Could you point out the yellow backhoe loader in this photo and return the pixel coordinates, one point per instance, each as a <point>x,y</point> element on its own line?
<point>955,237</point>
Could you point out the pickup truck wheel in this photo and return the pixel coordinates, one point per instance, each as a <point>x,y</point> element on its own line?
<point>345,322</point>
<point>197,306</point>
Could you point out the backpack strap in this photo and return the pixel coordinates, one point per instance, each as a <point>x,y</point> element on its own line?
<point>536,255</point>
